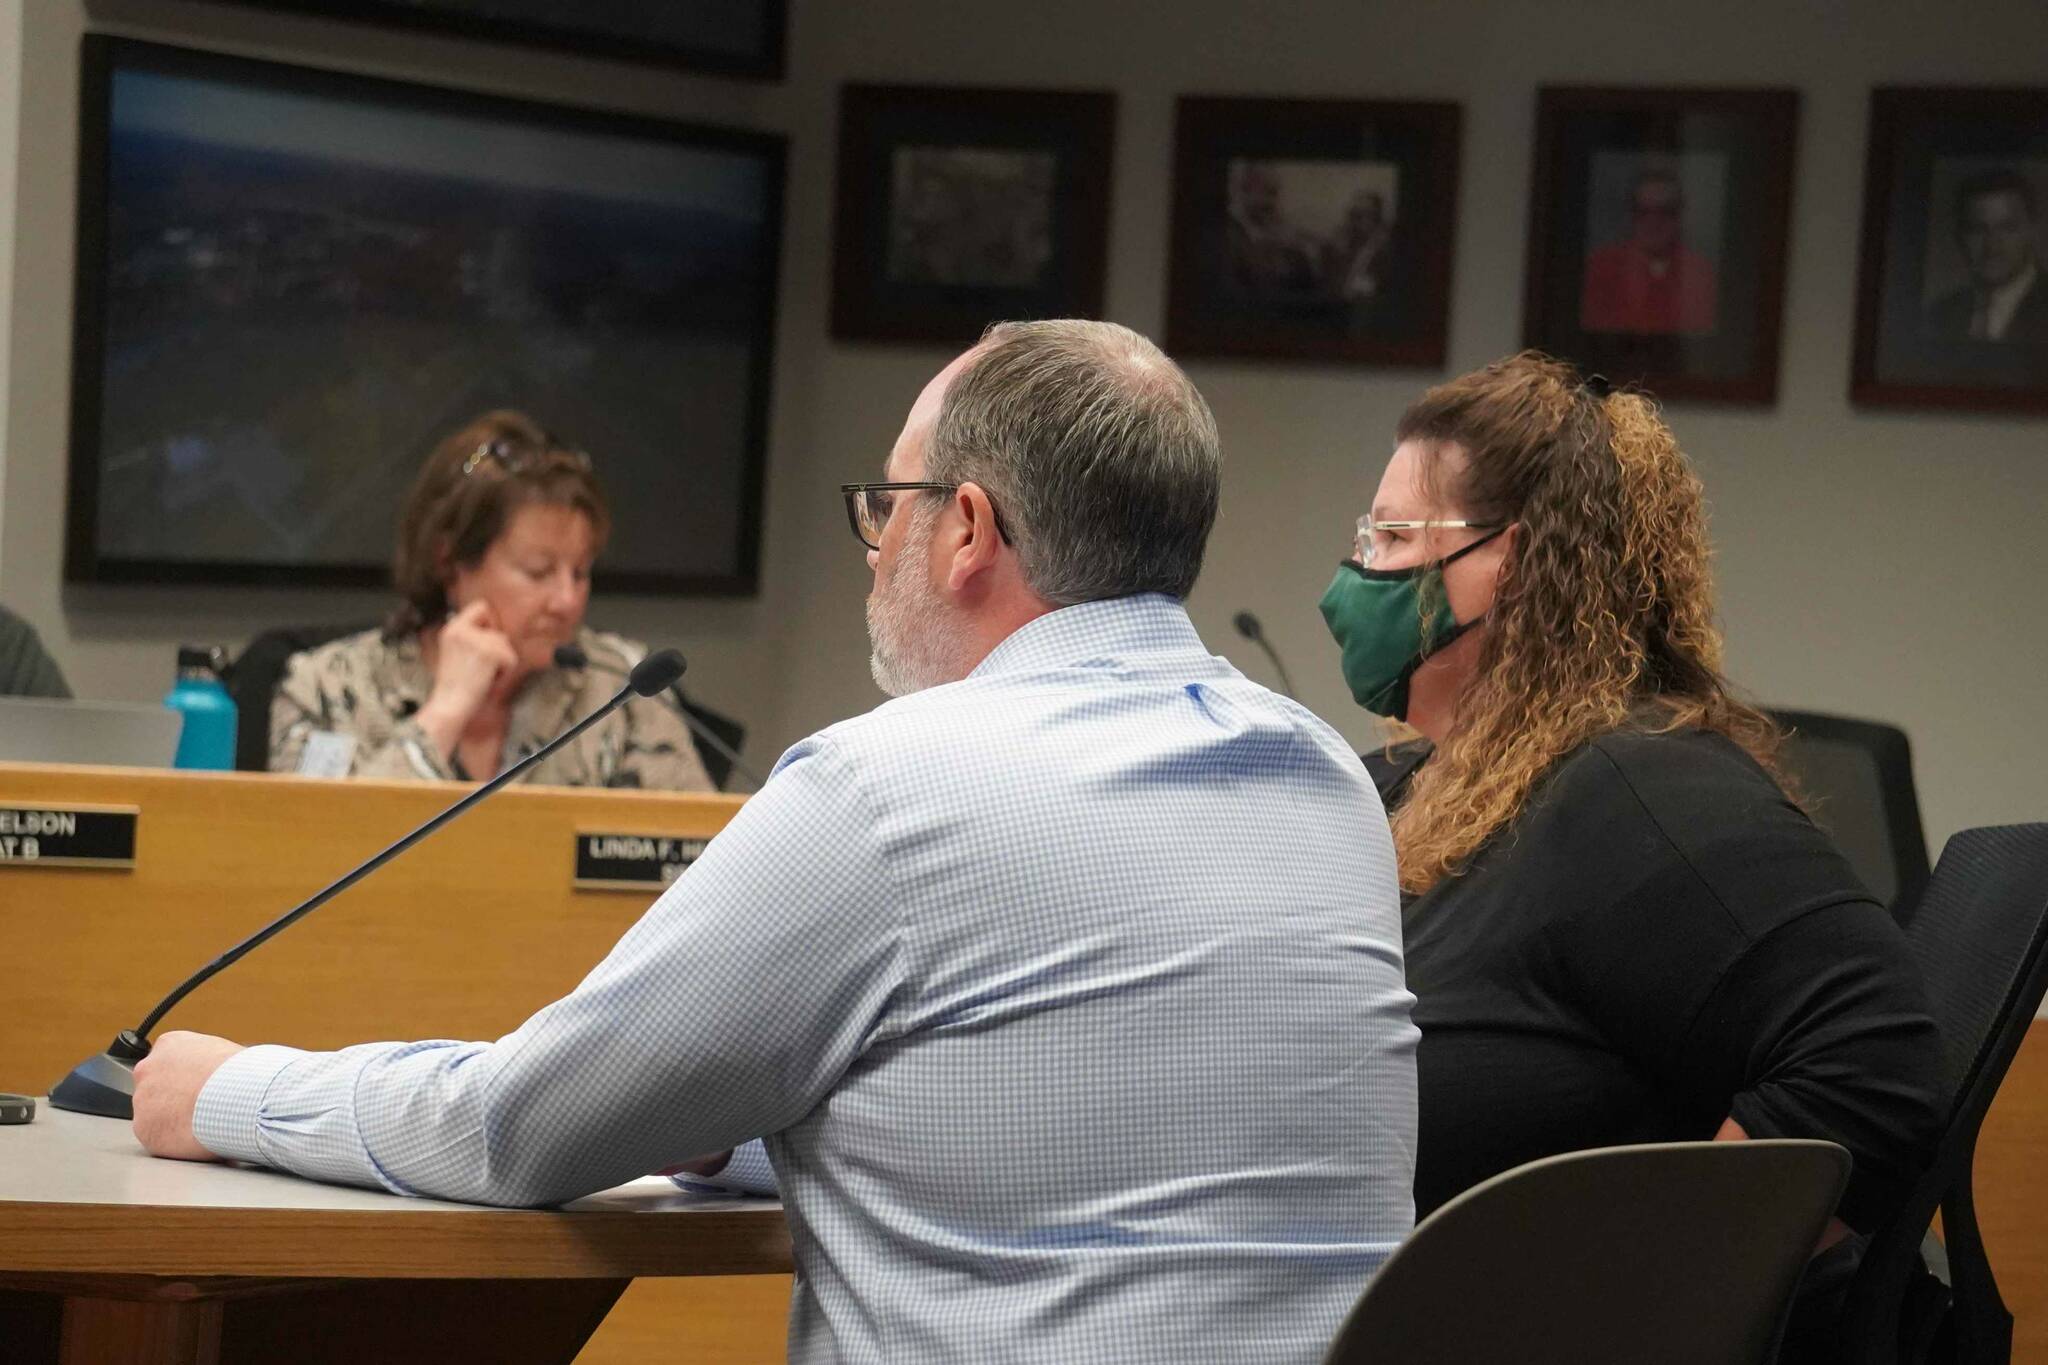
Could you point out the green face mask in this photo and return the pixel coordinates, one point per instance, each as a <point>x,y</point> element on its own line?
<point>1375,616</point>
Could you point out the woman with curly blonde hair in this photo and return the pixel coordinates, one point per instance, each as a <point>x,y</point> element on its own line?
<point>1619,927</point>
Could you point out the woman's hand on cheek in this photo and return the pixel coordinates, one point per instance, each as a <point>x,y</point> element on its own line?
<point>471,655</point>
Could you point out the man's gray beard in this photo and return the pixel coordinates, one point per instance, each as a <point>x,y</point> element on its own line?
<point>910,645</point>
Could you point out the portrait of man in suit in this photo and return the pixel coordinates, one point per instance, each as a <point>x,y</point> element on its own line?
<point>1997,225</point>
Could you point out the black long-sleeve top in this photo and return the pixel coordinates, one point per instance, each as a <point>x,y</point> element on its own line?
<point>1661,941</point>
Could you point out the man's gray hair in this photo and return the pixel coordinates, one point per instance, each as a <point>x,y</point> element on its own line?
<point>1100,456</point>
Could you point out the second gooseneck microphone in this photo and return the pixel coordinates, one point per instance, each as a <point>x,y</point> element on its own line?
<point>1249,627</point>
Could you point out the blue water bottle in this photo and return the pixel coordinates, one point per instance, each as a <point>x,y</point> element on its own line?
<point>207,741</point>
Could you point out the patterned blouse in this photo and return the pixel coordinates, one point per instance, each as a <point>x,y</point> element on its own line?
<point>346,710</point>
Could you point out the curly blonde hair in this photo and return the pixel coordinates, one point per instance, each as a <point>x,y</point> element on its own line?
<point>1603,616</point>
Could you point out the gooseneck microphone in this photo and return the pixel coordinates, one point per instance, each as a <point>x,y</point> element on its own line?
<point>1249,627</point>
<point>105,1084</point>
<point>574,657</point>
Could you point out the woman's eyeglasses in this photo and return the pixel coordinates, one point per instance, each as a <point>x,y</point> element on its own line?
<point>1374,537</point>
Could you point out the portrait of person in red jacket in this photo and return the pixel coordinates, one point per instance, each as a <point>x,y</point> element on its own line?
<point>1650,281</point>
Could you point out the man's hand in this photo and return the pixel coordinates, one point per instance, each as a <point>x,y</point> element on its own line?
<point>167,1086</point>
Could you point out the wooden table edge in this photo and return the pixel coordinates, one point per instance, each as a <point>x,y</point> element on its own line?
<point>187,1241</point>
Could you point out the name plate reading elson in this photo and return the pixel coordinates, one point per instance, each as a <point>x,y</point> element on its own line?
<point>68,836</point>
<point>632,862</point>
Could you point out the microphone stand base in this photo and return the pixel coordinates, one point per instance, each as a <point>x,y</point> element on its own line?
<point>103,1084</point>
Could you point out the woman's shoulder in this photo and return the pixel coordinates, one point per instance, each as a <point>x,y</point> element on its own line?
<point>1687,784</point>
<point>1685,778</point>
<point>1655,766</point>
<point>1685,756</point>
<point>365,652</point>
<point>1688,793</point>
<point>614,651</point>
<point>1390,767</point>
<point>1709,805</point>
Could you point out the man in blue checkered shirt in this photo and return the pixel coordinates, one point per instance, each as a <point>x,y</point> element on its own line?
<point>1065,989</point>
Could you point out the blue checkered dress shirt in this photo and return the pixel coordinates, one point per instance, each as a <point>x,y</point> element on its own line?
<point>1068,998</point>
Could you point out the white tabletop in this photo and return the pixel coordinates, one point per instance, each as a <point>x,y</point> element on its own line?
<point>65,1158</point>
<point>79,1196</point>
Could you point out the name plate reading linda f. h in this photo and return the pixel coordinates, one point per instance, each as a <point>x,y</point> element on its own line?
<point>632,862</point>
<point>68,836</point>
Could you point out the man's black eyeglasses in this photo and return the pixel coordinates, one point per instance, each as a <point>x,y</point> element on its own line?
<point>868,506</point>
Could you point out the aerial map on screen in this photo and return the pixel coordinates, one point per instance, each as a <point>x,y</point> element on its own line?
<point>304,291</point>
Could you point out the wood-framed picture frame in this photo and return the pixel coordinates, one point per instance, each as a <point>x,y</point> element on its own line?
<point>961,207</point>
<point>744,38</point>
<point>1313,230</point>
<point>1658,221</point>
<point>1952,277</point>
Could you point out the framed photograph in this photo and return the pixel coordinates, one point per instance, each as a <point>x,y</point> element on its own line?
<point>1952,298</point>
<point>725,37</point>
<point>1312,230</point>
<point>958,208</point>
<point>293,283</point>
<point>1657,227</point>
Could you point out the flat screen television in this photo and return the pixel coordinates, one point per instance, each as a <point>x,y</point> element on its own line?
<point>730,37</point>
<point>292,283</point>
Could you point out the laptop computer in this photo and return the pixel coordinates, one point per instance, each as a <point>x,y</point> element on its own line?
<point>123,734</point>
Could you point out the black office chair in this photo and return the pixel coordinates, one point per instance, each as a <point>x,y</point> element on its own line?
<point>1858,775</point>
<point>253,677</point>
<point>252,680</point>
<point>1685,1253</point>
<point>1980,935</point>
<point>716,764</point>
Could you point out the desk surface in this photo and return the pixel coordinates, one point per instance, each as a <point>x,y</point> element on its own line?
<point>77,1194</point>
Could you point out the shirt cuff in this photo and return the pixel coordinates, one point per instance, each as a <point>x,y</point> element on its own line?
<point>748,1171</point>
<point>421,752</point>
<point>229,1112</point>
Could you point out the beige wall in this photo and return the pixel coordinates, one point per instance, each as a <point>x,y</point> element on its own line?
<point>1878,564</point>
<point>10,122</point>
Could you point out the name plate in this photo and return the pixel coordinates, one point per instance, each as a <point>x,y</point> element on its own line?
<point>632,862</point>
<point>67,836</point>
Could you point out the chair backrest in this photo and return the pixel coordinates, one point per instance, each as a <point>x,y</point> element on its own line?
<point>716,765</point>
<point>252,681</point>
<point>253,677</point>
<point>1980,937</point>
<point>1860,775</point>
<point>1685,1253</point>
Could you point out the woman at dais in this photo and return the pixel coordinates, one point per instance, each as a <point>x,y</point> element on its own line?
<point>495,547</point>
